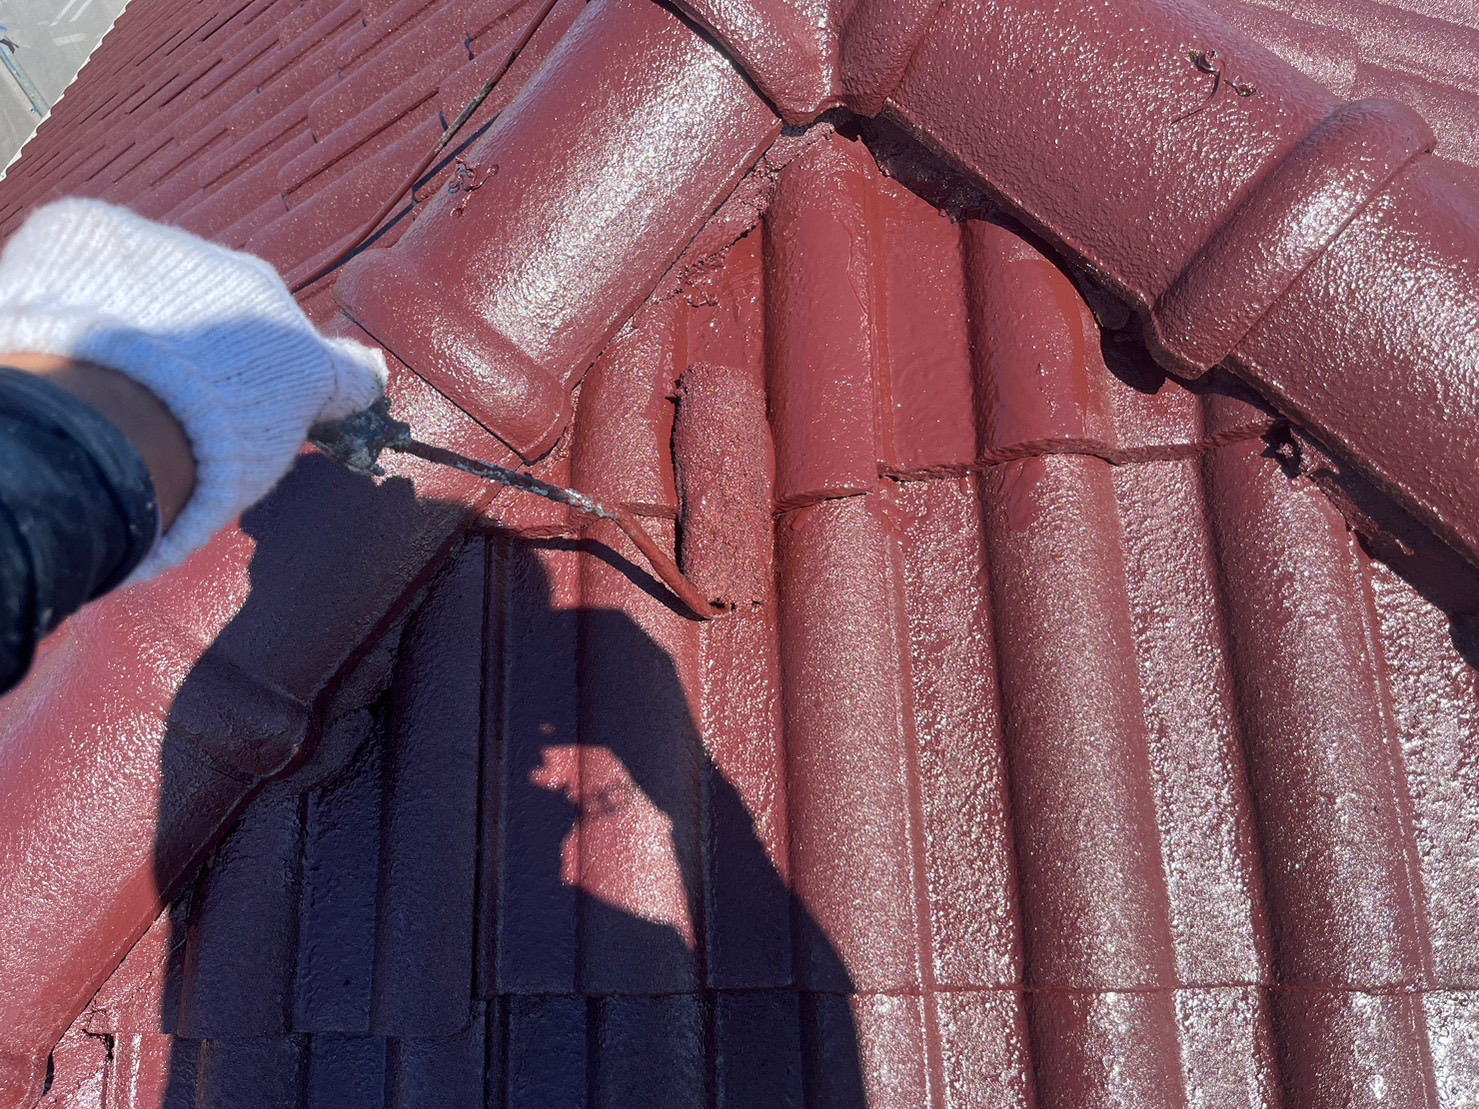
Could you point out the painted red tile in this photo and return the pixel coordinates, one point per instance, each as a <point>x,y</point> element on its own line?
<point>223,206</point>
<point>345,1072</point>
<point>1426,663</point>
<point>318,504</point>
<point>984,1042</point>
<point>382,19</point>
<point>641,781</point>
<point>235,235</point>
<point>927,397</point>
<point>725,466</point>
<point>1347,1047</point>
<point>310,13</point>
<point>749,925</point>
<point>428,1072</point>
<point>852,856</point>
<point>1149,408</point>
<point>1329,53</point>
<point>142,995</point>
<point>1453,1037</point>
<point>750,908</point>
<point>1339,857</point>
<point>548,1054</point>
<point>248,1074</point>
<point>348,137</point>
<point>1229,1053</point>
<point>531,846</point>
<point>425,933</point>
<point>1450,111</point>
<point>757,1050</point>
<point>94,769</point>
<point>77,1073</point>
<point>322,223</point>
<point>621,452</point>
<point>1209,840</point>
<point>970,858</point>
<point>1389,36</point>
<point>1036,345</point>
<point>1174,634</point>
<point>891,1053</point>
<point>1092,1048</point>
<point>247,149</point>
<point>822,293</point>
<point>832,1068</point>
<point>1095,908</point>
<point>335,969</point>
<point>533,320</point>
<point>722,449</point>
<point>488,48</point>
<point>144,1069</point>
<point>649,1053</point>
<point>242,933</point>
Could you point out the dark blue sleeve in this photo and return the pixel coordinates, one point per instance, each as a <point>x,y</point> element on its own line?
<point>77,512</point>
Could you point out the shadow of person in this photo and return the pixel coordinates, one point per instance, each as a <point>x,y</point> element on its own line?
<point>627,876</point>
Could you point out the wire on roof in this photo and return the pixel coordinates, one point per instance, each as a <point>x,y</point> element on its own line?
<point>665,568</point>
<point>359,238</point>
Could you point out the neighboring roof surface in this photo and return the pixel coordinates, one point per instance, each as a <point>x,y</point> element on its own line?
<point>1061,748</point>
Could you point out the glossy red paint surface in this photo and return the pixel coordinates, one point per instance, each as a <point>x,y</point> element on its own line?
<point>662,139</point>
<point>1062,782</point>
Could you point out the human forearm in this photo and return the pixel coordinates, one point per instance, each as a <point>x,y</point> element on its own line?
<point>77,511</point>
<point>133,410</point>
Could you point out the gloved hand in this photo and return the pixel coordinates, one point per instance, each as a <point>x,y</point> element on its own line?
<point>213,333</point>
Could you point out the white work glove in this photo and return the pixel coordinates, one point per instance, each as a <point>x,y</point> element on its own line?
<point>213,333</point>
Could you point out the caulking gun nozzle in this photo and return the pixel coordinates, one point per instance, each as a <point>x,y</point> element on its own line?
<point>356,442</point>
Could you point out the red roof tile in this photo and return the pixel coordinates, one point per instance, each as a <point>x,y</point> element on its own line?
<point>1060,749</point>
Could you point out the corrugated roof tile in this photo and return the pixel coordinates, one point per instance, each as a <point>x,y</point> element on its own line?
<point>429,1072</point>
<point>548,1053</point>
<point>1097,1047</point>
<point>1009,758</point>
<point>254,191</point>
<point>1346,1045</point>
<point>344,1072</point>
<point>641,779</point>
<point>983,1038</point>
<point>1427,665</point>
<point>622,452</point>
<point>852,841</point>
<point>1029,314</point>
<point>250,1073</point>
<point>1339,859</point>
<point>975,921</point>
<point>529,935</point>
<point>757,1050</point>
<point>1453,1033</point>
<point>145,1068</point>
<point>245,916</point>
<point>1209,843</point>
<point>414,56</point>
<point>1229,1056</point>
<point>425,921</point>
<point>322,222</point>
<point>1095,905</point>
<point>821,303</point>
<point>649,1051</point>
<point>1453,112</point>
<point>928,342</point>
<point>334,966</point>
<point>331,147</point>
